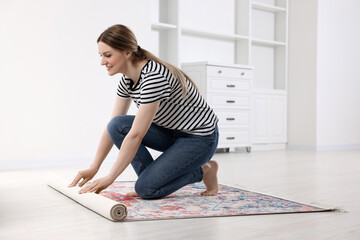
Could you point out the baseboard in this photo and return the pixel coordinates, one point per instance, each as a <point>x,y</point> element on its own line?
<point>58,162</point>
<point>39,163</point>
<point>269,146</point>
<point>43,163</point>
<point>301,147</point>
<point>338,147</point>
<point>323,147</point>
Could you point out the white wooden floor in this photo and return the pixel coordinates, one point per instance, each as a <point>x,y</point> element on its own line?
<point>31,210</point>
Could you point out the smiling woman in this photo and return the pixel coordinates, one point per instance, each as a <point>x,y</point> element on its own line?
<point>119,38</point>
<point>172,118</point>
<point>113,60</point>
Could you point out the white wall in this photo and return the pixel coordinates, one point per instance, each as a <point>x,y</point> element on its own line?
<point>324,82</point>
<point>55,98</point>
<point>302,73</point>
<point>338,75</point>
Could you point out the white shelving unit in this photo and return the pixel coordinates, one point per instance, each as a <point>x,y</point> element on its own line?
<point>269,37</point>
<point>253,33</point>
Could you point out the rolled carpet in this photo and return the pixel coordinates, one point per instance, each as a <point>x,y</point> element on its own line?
<point>104,206</point>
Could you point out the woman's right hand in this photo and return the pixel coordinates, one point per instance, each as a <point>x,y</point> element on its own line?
<point>86,175</point>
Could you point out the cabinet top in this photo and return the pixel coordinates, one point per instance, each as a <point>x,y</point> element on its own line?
<point>216,64</point>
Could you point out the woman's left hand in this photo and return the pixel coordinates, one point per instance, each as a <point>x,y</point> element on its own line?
<point>97,186</point>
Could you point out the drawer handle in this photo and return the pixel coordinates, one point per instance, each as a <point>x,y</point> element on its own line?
<point>242,74</point>
<point>230,101</point>
<point>230,138</point>
<point>230,85</point>
<point>230,119</point>
<point>219,72</point>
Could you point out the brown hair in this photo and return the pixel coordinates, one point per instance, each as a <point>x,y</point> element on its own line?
<point>122,38</point>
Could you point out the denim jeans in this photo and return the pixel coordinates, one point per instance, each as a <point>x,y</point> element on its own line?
<point>179,164</point>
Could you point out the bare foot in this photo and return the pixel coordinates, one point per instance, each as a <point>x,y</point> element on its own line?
<point>210,178</point>
<point>132,194</point>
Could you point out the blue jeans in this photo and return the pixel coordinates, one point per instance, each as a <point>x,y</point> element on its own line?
<point>179,164</point>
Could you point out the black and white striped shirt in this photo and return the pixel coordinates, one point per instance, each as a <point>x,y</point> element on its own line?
<point>191,114</point>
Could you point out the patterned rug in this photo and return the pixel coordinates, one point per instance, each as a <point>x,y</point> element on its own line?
<point>188,203</point>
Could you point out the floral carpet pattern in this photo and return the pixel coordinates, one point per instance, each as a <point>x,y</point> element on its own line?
<point>188,203</point>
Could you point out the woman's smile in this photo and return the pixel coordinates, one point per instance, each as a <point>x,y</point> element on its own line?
<point>114,60</point>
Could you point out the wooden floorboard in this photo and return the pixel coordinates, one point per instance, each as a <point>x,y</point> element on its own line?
<point>31,210</point>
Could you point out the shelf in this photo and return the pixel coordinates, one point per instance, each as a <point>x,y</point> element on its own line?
<point>267,8</point>
<point>213,34</point>
<point>250,34</point>
<point>163,26</point>
<point>270,43</point>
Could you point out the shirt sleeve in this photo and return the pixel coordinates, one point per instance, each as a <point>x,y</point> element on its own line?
<point>122,90</point>
<point>154,88</point>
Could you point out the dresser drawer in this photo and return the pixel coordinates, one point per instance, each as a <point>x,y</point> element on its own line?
<point>229,101</point>
<point>217,71</point>
<point>231,119</point>
<point>234,138</point>
<point>227,84</point>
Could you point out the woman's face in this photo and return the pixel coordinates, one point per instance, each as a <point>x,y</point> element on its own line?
<point>114,60</point>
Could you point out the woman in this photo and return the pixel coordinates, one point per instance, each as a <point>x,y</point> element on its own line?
<point>172,117</point>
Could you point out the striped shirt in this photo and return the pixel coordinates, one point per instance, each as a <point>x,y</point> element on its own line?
<point>191,114</point>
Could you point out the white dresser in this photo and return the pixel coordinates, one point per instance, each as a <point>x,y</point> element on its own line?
<point>227,88</point>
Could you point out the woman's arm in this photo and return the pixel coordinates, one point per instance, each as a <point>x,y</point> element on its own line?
<point>129,147</point>
<point>121,107</point>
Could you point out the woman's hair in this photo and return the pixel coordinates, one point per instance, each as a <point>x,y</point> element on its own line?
<point>122,38</point>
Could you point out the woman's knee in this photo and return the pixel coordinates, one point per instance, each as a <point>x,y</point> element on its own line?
<point>145,191</point>
<point>119,123</point>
